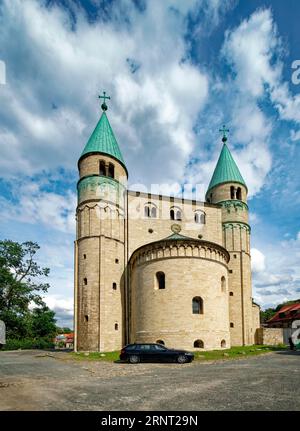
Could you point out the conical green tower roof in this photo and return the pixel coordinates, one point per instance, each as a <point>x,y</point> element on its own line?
<point>226,170</point>
<point>103,140</point>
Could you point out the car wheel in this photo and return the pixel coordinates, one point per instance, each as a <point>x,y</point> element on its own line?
<point>181,359</point>
<point>134,359</point>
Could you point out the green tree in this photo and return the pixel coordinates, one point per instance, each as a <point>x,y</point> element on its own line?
<point>19,285</point>
<point>64,330</point>
<point>43,323</point>
<point>267,314</point>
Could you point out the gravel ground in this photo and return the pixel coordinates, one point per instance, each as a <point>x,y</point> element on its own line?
<point>35,380</point>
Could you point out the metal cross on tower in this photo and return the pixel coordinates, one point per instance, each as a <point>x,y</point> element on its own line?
<point>104,105</point>
<point>224,131</point>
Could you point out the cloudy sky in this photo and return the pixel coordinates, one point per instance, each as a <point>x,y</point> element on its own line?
<point>175,71</point>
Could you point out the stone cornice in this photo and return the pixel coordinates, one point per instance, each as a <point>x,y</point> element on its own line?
<point>186,247</point>
<point>233,203</point>
<point>235,224</point>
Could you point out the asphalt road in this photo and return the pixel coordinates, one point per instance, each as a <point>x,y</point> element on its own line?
<point>31,380</point>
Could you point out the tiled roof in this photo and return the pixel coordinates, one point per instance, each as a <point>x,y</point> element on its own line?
<point>103,140</point>
<point>226,170</point>
<point>287,310</point>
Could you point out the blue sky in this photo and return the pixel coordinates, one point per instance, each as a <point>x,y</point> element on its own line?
<point>176,71</point>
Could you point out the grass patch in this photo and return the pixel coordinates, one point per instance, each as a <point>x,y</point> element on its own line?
<point>233,353</point>
<point>96,356</point>
<point>237,352</point>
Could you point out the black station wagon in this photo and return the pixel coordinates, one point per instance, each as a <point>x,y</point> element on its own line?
<point>135,353</point>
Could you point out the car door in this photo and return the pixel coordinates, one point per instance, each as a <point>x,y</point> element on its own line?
<point>161,353</point>
<point>146,353</point>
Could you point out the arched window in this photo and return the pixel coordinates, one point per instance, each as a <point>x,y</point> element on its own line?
<point>223,343</point>
<point>230,293</point>
<point>102,168</point>
<point>231,192</point>
<point>85,281</point>
<point>160,342</point>
<point>150,210</point>
<point>197,305</point>
<point>116,326</point>
<point>199,344</point>
<point>160,280</point>
<point>86,318</point>
<point>175,214</point>
<point>114,286</point>
<point>153,212</point>
<point>223,283</point>
<point>231,325</point>
<point>199,217</point>
<point>239,193</point>
<point>111,170</point>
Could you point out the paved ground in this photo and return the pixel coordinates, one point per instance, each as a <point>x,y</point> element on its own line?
<point>31,380</point>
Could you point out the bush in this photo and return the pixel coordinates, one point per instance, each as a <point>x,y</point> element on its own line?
<point>28,343</point>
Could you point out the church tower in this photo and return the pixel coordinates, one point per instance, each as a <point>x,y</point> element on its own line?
<point>100,242</point>
<point>228,189</point>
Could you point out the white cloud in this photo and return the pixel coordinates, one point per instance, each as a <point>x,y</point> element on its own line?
<point>63,308</point>
<point>276,272</point>
<point>53,62</point>
<point>250,49</point>
<point>295,135</point>
<point>257,260</point>
<point>34,205</point>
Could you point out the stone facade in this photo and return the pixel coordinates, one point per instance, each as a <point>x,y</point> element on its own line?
<point>122,244</point>
<point>191,268</point>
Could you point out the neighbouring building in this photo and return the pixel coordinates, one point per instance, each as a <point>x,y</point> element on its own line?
<point>64,341</point>
<point>156,268</point>
<point>285,317</point>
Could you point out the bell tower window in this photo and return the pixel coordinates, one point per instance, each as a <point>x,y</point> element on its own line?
<point>111,170</point>
<point>102,168</point>
<point>231,192</point>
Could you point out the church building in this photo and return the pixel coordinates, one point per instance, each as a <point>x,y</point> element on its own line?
<point>155,268</point>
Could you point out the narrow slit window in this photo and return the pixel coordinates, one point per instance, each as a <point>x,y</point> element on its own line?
<point>160,280</point>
